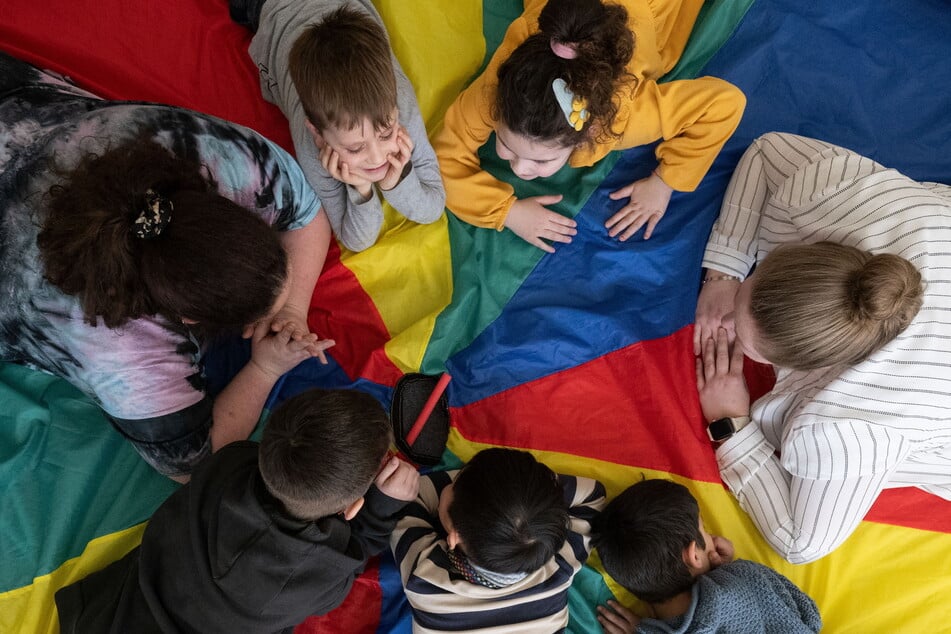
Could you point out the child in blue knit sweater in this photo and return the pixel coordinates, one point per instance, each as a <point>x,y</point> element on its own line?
<point>652,541</point>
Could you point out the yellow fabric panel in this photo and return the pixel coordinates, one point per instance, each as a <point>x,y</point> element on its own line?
<point>864,586</point>
<point>408,273</point>
<point>440,46</point>
<point>31,608</point>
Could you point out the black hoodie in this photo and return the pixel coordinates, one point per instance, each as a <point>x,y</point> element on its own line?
<point>220,555</point>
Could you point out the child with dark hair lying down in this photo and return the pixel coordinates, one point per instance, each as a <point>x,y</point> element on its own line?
<point>262,537</point>
<point>651,539</point>
<point>494,547</point>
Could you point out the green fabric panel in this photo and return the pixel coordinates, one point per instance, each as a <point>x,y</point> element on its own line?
<point>55,449</point>
<point>488,266</point>
<point>587,592</point>
<point>496,17</point>
<point>715,24</point>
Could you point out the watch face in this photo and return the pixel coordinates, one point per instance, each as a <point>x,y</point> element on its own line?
<point>720,429</point>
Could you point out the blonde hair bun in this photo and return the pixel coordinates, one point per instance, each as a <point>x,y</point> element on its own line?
<point>824,304</point>
<point>887,288</point>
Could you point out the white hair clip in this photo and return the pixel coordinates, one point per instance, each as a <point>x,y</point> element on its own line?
<point>574,108</point>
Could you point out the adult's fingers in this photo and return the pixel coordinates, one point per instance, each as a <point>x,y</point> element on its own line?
<point>701,380</point>
<point>723,352</point>
<point>736,360</point>
<point>709,359</point>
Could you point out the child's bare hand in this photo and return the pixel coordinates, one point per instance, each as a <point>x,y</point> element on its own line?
<point>398,161</point>
<point>722,551</point>
<point>399,480</point>
<point>532,222</point>
<point>617,619</point>
<point>715,302</point>
<point>276,353</point>
<point>339,170</point>
<point>649,198</point>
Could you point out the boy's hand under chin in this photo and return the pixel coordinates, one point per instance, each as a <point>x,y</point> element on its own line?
<point>398,161</point>
<point>339,170</point>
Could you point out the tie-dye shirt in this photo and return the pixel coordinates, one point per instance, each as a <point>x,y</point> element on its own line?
<point>149,367</point>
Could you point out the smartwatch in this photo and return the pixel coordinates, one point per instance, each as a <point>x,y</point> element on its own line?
<point>722,428</point>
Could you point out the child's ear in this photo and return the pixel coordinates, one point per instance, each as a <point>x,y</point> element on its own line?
<point>315,134</point>
<point>693,557</point>
<point>452,538</point>
<point>351,511</point>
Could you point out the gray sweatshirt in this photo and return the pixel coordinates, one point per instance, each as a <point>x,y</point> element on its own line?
<point>420,195</point>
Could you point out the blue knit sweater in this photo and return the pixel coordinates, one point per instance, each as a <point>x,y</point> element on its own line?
<point>742,597</point>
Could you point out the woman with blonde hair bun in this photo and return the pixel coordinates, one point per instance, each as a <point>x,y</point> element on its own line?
<point>833,269</point>
<point>823,304</point>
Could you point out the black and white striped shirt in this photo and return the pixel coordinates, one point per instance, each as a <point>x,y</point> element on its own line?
<point>444,601</point>
<point>844,433</point>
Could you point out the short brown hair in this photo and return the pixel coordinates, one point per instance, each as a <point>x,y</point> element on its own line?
<point>322,449</point>
<point>824,304</point>
<point>198,267</point>
<point>343,72</point>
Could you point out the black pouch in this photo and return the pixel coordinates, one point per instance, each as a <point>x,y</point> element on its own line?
<point>409,397</point>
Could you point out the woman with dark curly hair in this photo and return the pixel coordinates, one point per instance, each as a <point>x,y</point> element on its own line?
<point>131,233</point>
<point>572,81</point>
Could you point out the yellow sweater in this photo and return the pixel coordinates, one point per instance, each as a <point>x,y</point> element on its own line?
<point>694,117</point>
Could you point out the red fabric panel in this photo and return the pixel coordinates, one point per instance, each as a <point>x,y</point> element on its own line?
<point>627,406</point>
<point>358,614</point>
<point>341,310</point>
<point>189,53</point>
<point>185,53</point>
<point>620,407</point>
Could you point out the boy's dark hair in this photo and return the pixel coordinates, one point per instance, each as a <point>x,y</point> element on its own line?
<point>599,33</point>
<point>641,536</point>
<point>343,71</point>
<point>509,510</point>
<point>322,449</point>
<point>215,262</point>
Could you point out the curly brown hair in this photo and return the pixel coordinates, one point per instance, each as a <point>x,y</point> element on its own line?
<point>604,43</point>
<point>216,262</point>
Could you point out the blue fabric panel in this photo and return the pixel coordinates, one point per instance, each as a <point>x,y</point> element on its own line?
<point>872,76</point>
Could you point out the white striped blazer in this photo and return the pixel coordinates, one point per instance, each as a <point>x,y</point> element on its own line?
<point>843,434</point>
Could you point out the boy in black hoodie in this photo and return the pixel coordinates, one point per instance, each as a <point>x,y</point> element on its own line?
<point>263,536</point>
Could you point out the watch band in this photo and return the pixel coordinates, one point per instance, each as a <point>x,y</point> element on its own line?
<point>723,428</point>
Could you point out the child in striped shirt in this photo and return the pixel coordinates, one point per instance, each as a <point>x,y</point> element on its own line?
<point>494,547</point>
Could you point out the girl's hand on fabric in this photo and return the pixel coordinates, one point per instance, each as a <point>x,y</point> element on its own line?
<point>722,551</point>
<point>340,171</point>
<point>531,221</point>
<point>649,198</point>
<point>715,302</point>
<point>398,161</point>
<point>399,480</point>
<point>276,353</point>
<point>617,619</point>
<point>720,379</point>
